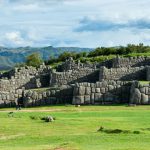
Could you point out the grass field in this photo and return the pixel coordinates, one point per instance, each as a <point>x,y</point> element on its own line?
<point>76,128</point>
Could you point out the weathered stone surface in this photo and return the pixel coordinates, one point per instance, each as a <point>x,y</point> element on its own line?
<point>81,90</point>
<point>142,89</point>
<point>88,91</point>
<point>87,99</point>
<point>97,90</point>
<point>92,98</point>
<point>98,97</point>
<point>144,99</point>
<point>102,90</point>
<point>110,87</point>
<point>109,97</point>
<point>78,100</point>
<point>136,96</point>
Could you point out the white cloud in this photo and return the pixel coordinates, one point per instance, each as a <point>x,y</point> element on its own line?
<point>46,22</point>
<point>15,38</point>
<point>26,8</point>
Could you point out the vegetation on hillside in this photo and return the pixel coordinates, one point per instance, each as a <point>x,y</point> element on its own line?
<point>34,60</point>
<point>11,56</point>
<point>102,53</point>
<point>97,55</point>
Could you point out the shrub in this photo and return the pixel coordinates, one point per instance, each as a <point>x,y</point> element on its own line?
<point>136,132</point>
<point>34,117</point>
<point>34,60</point>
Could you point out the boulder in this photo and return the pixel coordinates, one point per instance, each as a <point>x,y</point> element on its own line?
<point>81,90</point>
<point>98,97</point>
<point>142,89</point>
<point>92,98</point>
<point>78,100</point>
<point>144,99</point>
<point>88,90</point>
<point>135,97</point>
<point>87,99</point>
<point>97,90</point>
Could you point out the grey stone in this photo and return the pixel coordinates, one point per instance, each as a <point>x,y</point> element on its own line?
<point>144,99</point>
<point>135,96</point>
<point>92,98</point>
<point>97,90</point>
<point>108,97</point>
<point>81,90</point>
<point>87,99</point>
<point>78,100</point>
<point>88,90</point>
<point>103,90</point>
<point>98,97</point>
<point>142,90</point>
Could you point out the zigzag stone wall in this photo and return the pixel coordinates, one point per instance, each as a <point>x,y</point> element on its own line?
<point>128,73</point>
<point>78,83</point>
<point>105,92</point>
<point>74,76</point>
<point>13,84</point>
<point>49,96</point>
<point>140,93</point>
<point>119,62</point>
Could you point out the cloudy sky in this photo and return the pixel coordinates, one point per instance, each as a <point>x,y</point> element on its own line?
<point>82,23</point>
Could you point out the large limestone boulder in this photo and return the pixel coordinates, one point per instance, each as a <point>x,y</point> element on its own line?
<point>144,99</point>
<point>88,90</point>
<point>135,96</point>
<point>87,99</point>
<point>81,90</point>
<point>78,100</point>
<point>109,97</point>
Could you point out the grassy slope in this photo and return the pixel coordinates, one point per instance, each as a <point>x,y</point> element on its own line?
<point>76,128</point>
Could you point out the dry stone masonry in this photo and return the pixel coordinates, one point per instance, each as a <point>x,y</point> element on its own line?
<point>114,81</point>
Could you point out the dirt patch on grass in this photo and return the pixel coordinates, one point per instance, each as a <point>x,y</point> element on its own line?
<point>65,146</point>
<point>8,137</point>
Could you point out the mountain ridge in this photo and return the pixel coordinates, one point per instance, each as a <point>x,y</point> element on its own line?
<point>9,57</point>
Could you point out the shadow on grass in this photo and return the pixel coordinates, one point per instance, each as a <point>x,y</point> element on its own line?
<point>116,131</point>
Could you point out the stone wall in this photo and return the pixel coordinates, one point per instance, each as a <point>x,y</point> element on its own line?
<point>105,92</point>
<point>119,62</point>
<point>140,93</point>
<point>27,77</point>
<point>10,98</point>
<point>49,96</point>
<point>148,73</point>
<point>73,76</point>
<point>78,83</point>
<point>70,64</point>
<point>128,73</point>
<point>14,82</point>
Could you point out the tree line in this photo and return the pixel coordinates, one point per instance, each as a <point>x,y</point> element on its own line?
<point>97,54</point>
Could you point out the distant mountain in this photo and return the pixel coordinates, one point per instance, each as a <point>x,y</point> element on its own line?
<point>10,56</point>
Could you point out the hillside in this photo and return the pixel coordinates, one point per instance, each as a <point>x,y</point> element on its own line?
<point>10,56</point>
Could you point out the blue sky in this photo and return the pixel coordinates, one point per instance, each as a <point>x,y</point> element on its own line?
<point>82,23</point>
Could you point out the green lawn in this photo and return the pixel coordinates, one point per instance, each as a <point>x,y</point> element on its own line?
<point>76,128</point>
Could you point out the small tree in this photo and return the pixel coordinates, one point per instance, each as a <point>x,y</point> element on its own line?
<point>34,60</point>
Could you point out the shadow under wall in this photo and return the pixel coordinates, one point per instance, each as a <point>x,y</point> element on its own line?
<point>138,75</point>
